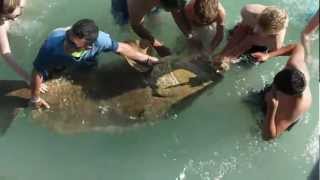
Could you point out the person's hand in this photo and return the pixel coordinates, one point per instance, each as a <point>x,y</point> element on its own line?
<point>162,50</point>
<point>152,60</point>
<point>260,57</point>
<point>43,88</point>
<point>38,103</point>
<point>220,64</point>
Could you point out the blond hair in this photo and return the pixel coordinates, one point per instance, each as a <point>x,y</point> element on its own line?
<point>8,6</point>
<point>273,19</point>
<point>206,10</point>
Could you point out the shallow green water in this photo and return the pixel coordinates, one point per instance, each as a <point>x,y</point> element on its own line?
<point>215,137</point>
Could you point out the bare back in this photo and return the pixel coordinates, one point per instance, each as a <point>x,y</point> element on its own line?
<point>291,108</point>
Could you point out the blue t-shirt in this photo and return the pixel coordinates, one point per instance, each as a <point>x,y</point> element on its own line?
<point>52,55</point>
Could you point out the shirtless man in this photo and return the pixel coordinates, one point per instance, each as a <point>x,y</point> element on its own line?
<point>139,8</point>
<point>206,19</point>
<point>263,26</point>
<point>290,96</point>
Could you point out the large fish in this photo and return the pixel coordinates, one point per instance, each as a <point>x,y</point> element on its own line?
<point>114,96</point>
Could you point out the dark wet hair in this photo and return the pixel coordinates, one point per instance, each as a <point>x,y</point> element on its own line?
<point>290,81</point>
<point>173,4</point>
<point>87,29</point>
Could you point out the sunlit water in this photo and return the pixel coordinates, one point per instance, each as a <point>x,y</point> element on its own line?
<point>216,137</point>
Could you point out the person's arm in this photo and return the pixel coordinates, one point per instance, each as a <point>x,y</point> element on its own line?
<point>136,19</point>
<point>284,51</point>
<point>8,56</point>
<point>36,101</point>
<point>143,33</point>
<point>182,21</point>
<point>297,60</point>
<point>220,29</point>
<point>269,128</point>
<point>137,11</point>
<point>312,26</point>
<point>235,52</point>
<point>127,50</point>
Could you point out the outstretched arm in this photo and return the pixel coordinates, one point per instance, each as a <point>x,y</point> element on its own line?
<point>312,26</point>
<point>284,51</point>
<point>127,50</point>
<point>220,29</point>
<point>181,21</point>
<point>8,56</point>
<point>36,82</point>
<point>269,127</point>
<point>136,18</point>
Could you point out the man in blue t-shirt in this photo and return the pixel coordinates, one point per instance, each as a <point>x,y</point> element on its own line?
<point>73,47</point>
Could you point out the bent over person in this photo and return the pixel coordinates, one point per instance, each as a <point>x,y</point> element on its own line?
<point>263,28</point>
<point>75,47</point>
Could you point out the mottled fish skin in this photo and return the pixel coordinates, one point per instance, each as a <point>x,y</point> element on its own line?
<point>115,95</point>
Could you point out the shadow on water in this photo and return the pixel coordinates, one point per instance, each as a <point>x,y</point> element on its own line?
<point>10,104</point>
<point>108,80</point>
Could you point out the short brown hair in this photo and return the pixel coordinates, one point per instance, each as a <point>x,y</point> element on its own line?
<point>272,19</point>
<point>8,6</point>
<point>206,10</point>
